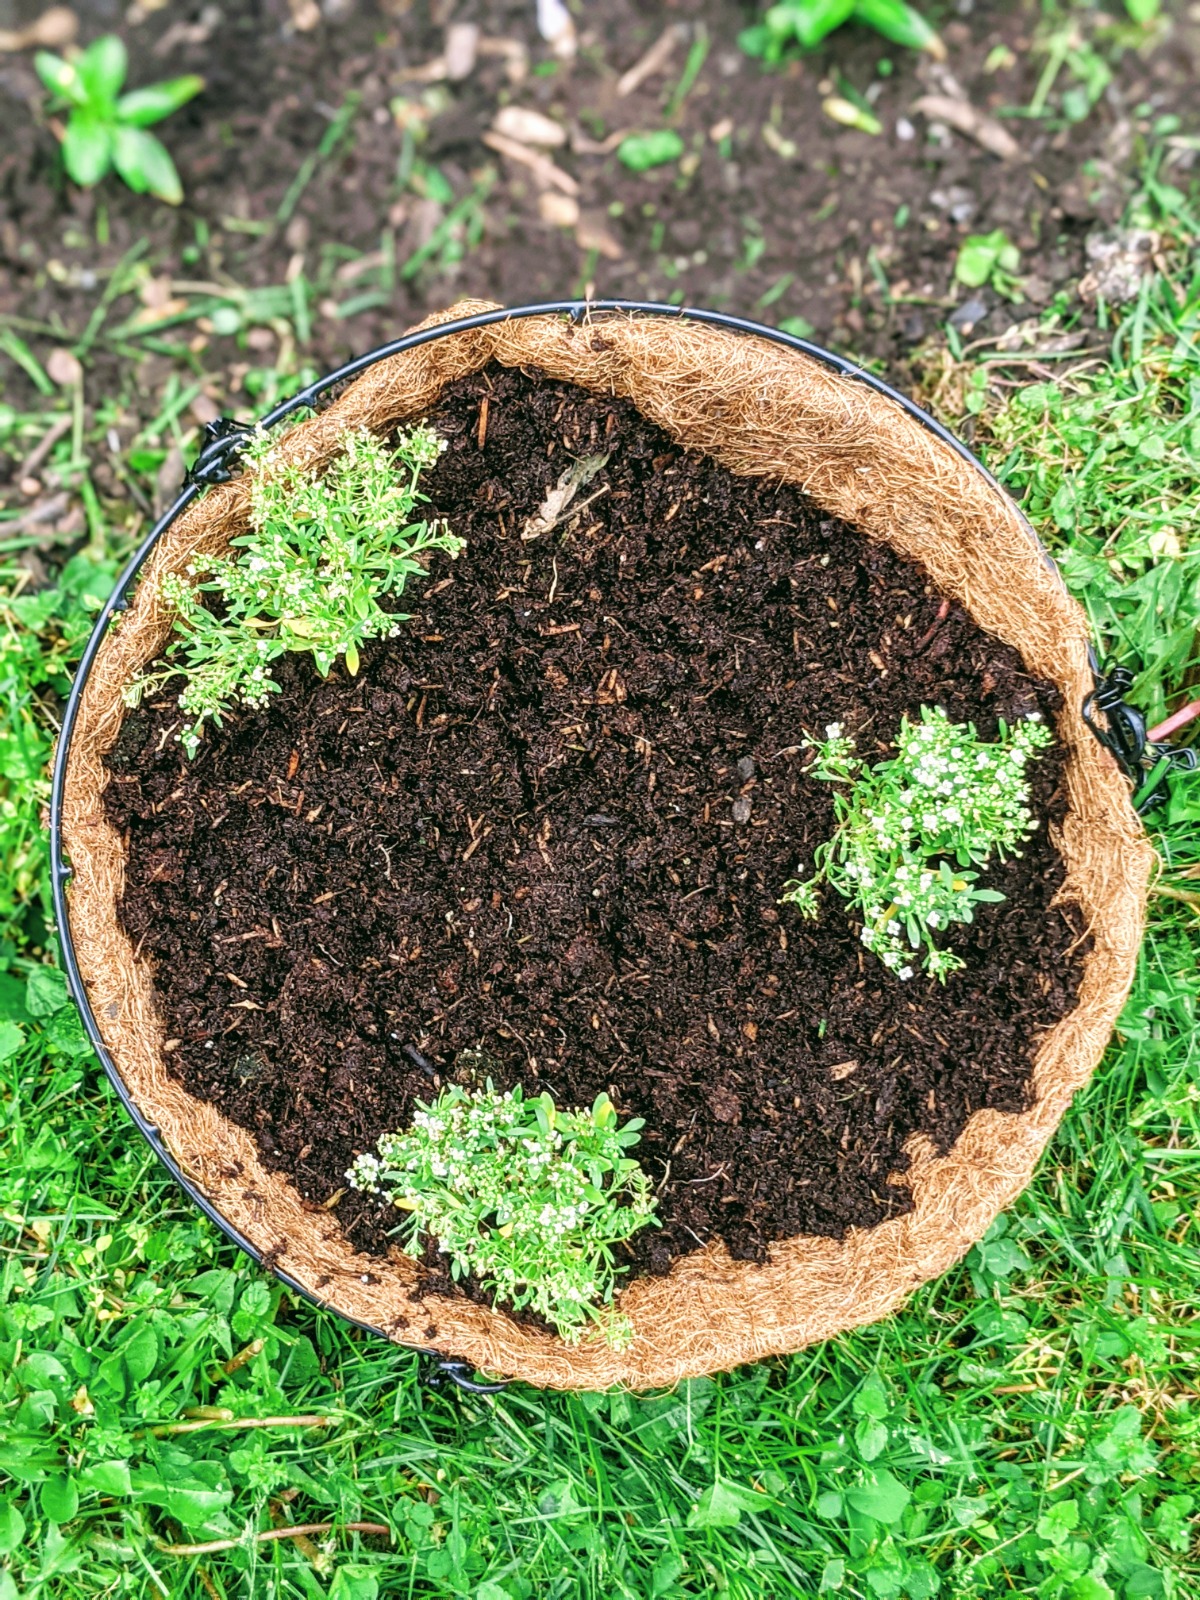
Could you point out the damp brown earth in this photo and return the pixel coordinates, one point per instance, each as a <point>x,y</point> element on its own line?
<point>785,214</point>
<point>541,838</point>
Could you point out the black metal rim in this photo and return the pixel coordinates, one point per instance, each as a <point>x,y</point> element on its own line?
<point>212,466</point>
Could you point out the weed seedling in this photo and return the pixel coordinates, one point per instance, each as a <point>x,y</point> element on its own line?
<point>911,829</point>
<point>321,553</point>
<point>527,1198</point>
<point>807,22</point>
<point>990,259</point>
<point>107,129</point>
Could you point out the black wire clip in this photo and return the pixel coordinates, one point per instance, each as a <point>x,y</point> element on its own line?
<point>223,441</point>
<point>1124,737</point>
<point>438,1371</point>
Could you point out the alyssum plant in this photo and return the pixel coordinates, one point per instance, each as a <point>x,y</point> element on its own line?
<point>909,831</point>
<point>320,554</point>
<point>527,1198</point>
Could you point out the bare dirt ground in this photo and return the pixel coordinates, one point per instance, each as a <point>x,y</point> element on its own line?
<point>344,180</point>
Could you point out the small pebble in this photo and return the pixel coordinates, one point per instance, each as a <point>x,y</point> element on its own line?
<point>741,810</point>
<point>746,768</point>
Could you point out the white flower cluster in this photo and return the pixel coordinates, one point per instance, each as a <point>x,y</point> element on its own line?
<point>910,830</point>
<point>526,1198</point>
<point>321,552</point>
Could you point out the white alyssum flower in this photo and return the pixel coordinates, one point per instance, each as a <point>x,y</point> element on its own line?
<point>525,1197</point>
<point>321,552</point>
<point>912,829</point>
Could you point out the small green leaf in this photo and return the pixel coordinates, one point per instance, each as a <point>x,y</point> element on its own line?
<point>798,327</point>
<point>107,1477</point>
<point>809,21</point>
<point>45,991</point>
<point>59,1499</point>
<point>718,1507</point>
<point>11,1039</point>
<point>102,68</point>
<point>141,107</point>
<point>1143,11</point>
<point>141,1353</point>
<point>755,41</point>
<point>901,24</point>
<point>664,1575</point>
<point>87,148</point>
<point>59,76</point>
<point>359,1583</point>
<point>882,1496</point>
<point>871,1437</point>
<point>981,255</point>
<point>145,165</point>
<point>1057,1524</point>
<point>641,151</point>
<point>12,1527</point>
<point>1089,1587</point>
<point>195,1507</point>
<point>871,1400</point>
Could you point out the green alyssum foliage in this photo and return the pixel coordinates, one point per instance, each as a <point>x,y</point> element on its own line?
<point>526,1197</point>
<point>807,22</point>
<point>321,553</point>
<point>107,129</point>
<point>910,829</point>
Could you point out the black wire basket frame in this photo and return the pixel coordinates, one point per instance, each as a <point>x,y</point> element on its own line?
<point>223,440</point>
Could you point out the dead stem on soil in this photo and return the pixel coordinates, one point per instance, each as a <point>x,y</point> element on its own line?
<point>302,1530</point>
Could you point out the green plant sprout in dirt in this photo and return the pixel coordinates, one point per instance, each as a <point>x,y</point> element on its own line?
<point>321,553</point>
<point>807,22</point>
<point>526,1197</point>
<point>107,129</point>
<point>910,830</point>
<point>990,259</point>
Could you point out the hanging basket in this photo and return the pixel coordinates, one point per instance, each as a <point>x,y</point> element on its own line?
<point>760,404</point>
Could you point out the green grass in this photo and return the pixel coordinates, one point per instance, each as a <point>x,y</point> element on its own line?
<point>1026,1426</point>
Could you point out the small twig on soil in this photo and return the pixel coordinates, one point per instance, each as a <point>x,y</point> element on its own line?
<point>419,1060</point>
<point>207,1584</point>
<point>300,1531</point>
<point>968,120</point>
<point>1189,897</point>
<point>654,60</point>
<point>543,169</point>
<point>942,613</point>
<point>280,1518</point>
<point>43,447</point>
<point>240,1360</point>
<point>240,1424</point>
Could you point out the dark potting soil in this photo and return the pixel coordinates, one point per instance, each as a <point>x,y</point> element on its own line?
<point>542,835</point>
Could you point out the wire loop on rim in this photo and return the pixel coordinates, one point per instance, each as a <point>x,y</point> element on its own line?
<point>1144,762</point>
<point>440,1372</point>
<point>223,440</point>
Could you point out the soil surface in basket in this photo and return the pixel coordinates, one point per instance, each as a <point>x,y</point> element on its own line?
<point>543,833</point>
